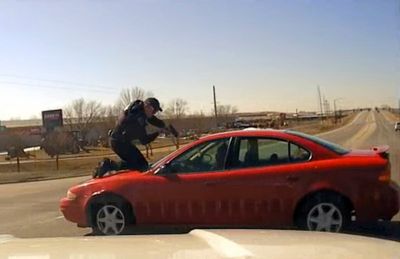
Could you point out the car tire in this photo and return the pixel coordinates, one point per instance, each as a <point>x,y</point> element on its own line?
<point>110,219</point>
<point>324,212</point>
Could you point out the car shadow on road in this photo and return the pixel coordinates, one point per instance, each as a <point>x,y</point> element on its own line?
<point>152,230</point>
<point>383,229</point>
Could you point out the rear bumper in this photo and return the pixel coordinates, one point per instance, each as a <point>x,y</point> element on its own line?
<point>73,211</point>
<point>381,203</point>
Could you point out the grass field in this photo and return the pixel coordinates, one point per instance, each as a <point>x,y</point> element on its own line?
<point>316,127</point>
<point>94,151</point>
<point>42,167</point>
<point>45,170</point>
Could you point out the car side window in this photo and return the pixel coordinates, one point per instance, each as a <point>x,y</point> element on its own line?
<point>208,156</point>
<point>256,152</point>
<point>253,152</point>
<point>298,154</point>
<point>273,151</point>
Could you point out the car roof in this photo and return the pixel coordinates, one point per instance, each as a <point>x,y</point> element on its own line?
<point>248,132</point>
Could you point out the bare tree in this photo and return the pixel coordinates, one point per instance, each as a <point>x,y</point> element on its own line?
<point>225,112</point>
<point>128,95</point>
<point>59,142</point>
<point>109,120</point>
<point>111,114</point>
<point>15,148</point>
<point>80,114</point>
<point>177,109</point>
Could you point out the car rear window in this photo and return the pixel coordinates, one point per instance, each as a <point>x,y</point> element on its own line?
<point>329,145</point>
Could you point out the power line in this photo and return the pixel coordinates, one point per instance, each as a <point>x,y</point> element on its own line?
<point>103,87</point>
<point>57,87</point>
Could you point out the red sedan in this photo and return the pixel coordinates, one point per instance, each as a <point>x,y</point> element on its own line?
<point>264,178</point>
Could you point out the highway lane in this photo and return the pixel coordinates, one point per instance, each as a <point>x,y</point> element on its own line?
<point>31,209</point>
<point>368,130</point>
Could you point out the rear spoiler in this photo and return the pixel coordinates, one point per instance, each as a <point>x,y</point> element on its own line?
<point>382,151</point>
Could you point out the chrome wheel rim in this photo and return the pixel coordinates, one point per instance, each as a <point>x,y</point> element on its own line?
<point>325,217</point>
<point>110,220</point>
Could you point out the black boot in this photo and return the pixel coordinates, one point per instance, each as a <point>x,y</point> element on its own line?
<point>105,165</point>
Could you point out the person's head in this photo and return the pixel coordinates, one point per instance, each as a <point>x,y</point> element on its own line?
<point>151,107</point>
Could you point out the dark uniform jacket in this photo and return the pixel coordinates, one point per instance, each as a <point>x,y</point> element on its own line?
<point>132,125</point>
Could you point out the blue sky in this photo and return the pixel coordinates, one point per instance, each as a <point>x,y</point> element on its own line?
<point>261,55</point>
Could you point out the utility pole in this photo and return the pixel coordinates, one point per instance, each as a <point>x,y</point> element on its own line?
<point>320,102</point>
<point>334,107</point>
<point>327,109</point>
<point>399,108</point>
<point>215,107</point>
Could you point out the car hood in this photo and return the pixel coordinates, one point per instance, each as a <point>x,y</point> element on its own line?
<point>117,175</point>
<point>204,244</point>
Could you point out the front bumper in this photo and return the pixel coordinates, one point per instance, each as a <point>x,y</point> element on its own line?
<point>74,211</point>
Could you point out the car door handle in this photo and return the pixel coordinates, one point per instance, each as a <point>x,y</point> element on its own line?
<point>292,178</point>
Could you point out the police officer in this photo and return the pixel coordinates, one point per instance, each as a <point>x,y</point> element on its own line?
<point>131,126</point>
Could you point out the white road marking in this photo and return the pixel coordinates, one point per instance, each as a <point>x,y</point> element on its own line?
<point>364,133</point>
<point>222,245</point>
<point>341,128</point>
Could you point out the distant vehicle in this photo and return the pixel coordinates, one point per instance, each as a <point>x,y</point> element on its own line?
<point>397,126</point>
<point>241,124</point>
<point>262,178</point>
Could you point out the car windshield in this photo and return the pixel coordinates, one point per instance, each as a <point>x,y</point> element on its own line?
<point>329,145</point>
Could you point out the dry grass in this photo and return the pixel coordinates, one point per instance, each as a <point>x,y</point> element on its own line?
<point>46,170</point>
<point>39,155</point>
<point>327,125</point>
<point>43,168</point>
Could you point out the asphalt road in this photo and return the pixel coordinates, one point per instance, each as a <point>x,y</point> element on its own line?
<point>31,209</point>
<point>370,129</point>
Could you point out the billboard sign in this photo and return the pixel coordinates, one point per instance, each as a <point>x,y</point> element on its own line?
<point>52,119</point>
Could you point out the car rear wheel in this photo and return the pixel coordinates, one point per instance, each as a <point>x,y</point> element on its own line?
<point>111,219</point>
<point>324,212</point>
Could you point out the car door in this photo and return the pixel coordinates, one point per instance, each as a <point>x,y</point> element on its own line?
<point>264,173</point>
<point>186,190</point>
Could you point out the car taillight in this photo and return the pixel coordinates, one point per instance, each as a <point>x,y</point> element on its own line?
<point>385,175</point>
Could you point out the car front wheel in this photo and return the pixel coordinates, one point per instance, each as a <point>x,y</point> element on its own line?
<point>110,220</point>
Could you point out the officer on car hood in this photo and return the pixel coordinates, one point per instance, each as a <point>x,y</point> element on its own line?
<point>131,126</point>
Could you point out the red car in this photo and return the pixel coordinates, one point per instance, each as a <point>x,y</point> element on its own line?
<point>264,178</point>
